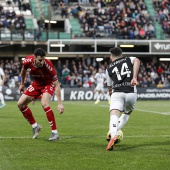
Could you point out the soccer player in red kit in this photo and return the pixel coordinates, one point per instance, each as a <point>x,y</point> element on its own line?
<point>45,83</point>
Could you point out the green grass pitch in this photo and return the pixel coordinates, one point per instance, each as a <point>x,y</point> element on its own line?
<point>83,128</point>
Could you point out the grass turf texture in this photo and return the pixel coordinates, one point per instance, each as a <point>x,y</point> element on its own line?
<point>83,128</point>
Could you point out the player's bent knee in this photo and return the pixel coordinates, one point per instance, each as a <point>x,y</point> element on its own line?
<point>18,104</point>
<point>115,112</point>
<point>21,105</point>
<point>44,105</point>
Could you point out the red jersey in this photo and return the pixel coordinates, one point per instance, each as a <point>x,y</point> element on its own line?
<point>41,75</point>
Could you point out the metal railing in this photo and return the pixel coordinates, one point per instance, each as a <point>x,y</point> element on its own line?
<point>32,35</point>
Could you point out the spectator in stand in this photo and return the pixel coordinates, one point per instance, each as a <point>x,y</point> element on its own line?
<point>157,3</point>
<point>78,80</point>
<point>67,64</point>
<point>65,73</point>
<point>166,4</point>
<point>159,70</point>
<point>153,74</point>
<point>41,23</point>
<point>108,28</point>
<point>159,85</point>
<point>25,5</point>
<point>92,33</point>
<point>165,24</point>
<point>80,68</point>
<point>74,69</point>
<point>87,29</point>
<point>157,79</point>
<point>64,13</point>
<point>142,33</point>
<point>86,78</point>
<point>86,84</point>
<point>68,79</point>
<point>38,34</point>
<point>73,80</point>
<point>88,61</point>
<point>125,33</point>
<point>131,34</point>
<point>59,68</point>
<point>148,34</point>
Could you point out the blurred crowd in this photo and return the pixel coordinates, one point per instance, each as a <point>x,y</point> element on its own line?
<point>79,72</point>
<point>10,19</point>
<point>125,19</point>
<point>162,14</point>
<point>121,19</point>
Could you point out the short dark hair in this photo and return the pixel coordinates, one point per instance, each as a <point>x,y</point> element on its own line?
<point>116,51</point>
<point>39,52</point>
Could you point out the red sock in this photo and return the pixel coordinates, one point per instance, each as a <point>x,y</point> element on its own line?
<point>28,114</point>
<point>50,117</point>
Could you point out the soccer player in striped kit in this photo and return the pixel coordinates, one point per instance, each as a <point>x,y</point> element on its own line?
<point>2,81</point>
<point>121,75</point>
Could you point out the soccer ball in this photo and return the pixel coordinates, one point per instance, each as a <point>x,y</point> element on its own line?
<point>120,137</point>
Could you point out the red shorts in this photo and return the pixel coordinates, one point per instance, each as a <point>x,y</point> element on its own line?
<point>35,90</point>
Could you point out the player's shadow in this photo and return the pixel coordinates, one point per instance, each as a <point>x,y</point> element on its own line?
<point>119,147</point>
<point>133,146</point>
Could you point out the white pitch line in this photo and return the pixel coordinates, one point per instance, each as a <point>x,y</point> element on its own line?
<point>150,111</point>
<point>10,137</point>
<point>147,111</point>
<point>100,136</point>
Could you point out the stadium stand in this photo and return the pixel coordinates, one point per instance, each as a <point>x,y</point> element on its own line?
<point>127,19</point>
<point>16,20</point>
<point>79,72</point>
<point>162,13</point>
<point>116,19</point>
<point>158,28</point>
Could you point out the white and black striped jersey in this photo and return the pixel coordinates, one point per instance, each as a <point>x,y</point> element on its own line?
<point>119,74</point>
<point>1,73</point>
<point>100,78</point>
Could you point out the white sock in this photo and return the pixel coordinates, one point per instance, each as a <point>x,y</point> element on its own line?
<point>2,98</point>
<point>54,131</point>
<point>34,125</point>
<point>122,121</point>
<point>98,96</point>
<point>113,125</point>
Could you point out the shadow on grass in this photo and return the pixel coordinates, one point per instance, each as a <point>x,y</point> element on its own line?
<point>83,141</point>
<point>143,145</point>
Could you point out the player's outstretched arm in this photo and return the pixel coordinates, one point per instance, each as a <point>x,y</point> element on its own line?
<point>110,90</point>
<point>58,93</point>
<point>23,75</point>
<point>3,80</point>
<point>136,66</point>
